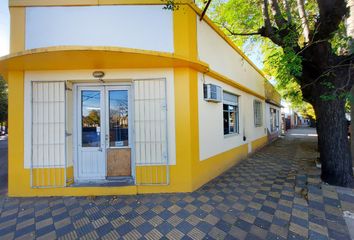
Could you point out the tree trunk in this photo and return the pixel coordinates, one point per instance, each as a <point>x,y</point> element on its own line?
<point>335,150</point>
<point>352,124</point>
<point>350,33</point>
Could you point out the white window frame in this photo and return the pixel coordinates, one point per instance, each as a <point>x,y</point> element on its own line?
<point>258,113</point>
<point>235,104</point>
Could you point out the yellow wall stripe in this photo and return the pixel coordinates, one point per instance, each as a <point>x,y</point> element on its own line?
<point>28,3</point>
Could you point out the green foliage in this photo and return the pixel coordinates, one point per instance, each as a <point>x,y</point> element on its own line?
<point>239,16</point>
<point>305,110</point>
<point>170,5</point>
<point>281,63</point>
<point>341,42</point>
<point>3,100</point>
<point>283,67</point>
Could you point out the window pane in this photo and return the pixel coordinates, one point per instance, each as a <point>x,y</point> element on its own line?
<point>257,105</point>
<point>91,118</point>
<point>226,122</point>
<point>232,122</point>
<point>118,118</point>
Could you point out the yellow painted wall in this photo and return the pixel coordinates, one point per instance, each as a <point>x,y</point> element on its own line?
<point>271,93</point>
<point>16,176</point>
<point>259,143</point>
<point>16,3</point>
<point>152,174</point>
<point>17,29</point>
<point>208,169</point>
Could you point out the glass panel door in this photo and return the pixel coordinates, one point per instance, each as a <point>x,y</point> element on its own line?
<point>118,147</point>
<point>91,162</point>
<point>91,118</point>
<point>118,118</point>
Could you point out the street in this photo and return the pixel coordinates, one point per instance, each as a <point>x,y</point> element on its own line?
<point>3,165</point>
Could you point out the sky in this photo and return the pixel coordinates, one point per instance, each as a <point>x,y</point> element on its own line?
<point>4,28</point>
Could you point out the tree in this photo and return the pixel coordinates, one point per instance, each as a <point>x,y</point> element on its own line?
<point>3,101</point>
<point>307,51</point>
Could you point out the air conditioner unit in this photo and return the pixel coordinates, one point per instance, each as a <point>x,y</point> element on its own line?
<point>212,93</point>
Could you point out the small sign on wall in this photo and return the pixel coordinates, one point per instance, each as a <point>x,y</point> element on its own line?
<point>119,144</point>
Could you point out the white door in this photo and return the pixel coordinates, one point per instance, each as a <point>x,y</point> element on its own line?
<point>104,145</point>
<point>118,134</point>
<point>91,138</point>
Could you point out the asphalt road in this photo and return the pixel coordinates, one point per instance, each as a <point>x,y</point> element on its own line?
<point>3,165</point>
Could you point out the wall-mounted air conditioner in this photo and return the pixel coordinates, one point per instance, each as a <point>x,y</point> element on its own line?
<point>212,93</point>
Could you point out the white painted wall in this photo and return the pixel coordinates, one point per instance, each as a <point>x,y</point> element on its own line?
<point>222,58</point>
<point>112,76</point>
<point>212,140</point>
<point>141,27</point>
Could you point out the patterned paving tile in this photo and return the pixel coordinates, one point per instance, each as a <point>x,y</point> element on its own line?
<point>274,194</point>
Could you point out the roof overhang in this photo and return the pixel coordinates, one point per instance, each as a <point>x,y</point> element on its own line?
<point>78,57</point>
<point>272,102</point>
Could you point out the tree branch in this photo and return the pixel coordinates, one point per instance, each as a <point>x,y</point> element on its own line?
<point>288,11</point>
<point>304,22</point>
<point>266,19</point>
<point>239,34</point>
<point>279,19</point>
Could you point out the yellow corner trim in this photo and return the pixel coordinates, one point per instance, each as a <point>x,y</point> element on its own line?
<point>79,57</point>
<point>233,83</point>
<point>30,3</point>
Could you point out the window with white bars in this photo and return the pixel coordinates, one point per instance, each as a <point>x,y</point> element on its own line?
<point>258,116</point>
<point>150,122</point>
<point>48,134</point>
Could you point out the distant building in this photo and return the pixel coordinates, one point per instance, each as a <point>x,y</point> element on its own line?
<point>273,110</point>
<point>291,118</point>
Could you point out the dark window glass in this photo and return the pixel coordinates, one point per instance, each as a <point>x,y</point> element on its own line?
<point>226,122</point>
<point>230,119</point>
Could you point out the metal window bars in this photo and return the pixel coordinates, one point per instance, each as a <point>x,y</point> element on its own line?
<point>151,142</point>
<point>48,152</point>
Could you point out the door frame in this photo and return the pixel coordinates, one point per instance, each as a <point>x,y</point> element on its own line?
<point>105,87</point>
<point>78,131</point>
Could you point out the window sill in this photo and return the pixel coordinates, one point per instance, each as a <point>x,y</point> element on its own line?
<point>231,135</point>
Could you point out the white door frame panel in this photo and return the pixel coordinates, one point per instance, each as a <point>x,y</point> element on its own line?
<point>104,121</point>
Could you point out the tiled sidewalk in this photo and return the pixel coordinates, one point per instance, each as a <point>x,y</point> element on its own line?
<point>274,194</point>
